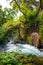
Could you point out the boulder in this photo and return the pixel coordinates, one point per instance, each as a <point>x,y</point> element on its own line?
<point>36,39</point>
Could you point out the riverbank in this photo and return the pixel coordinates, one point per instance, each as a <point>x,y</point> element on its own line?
<point>19,59</point>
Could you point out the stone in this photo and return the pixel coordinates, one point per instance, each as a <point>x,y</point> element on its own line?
<point>35,38</point>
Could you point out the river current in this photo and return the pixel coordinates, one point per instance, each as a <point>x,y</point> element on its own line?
<point>20,48</point>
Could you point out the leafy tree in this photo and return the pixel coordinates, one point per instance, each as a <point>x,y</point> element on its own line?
<point>30,21</point>
<point>9,13</point>
<point>2,17</point>
<point>30,14</point>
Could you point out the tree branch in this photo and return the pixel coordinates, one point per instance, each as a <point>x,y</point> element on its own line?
<point>40,7</point>
<point>41,4</point>
<point>20,9</point>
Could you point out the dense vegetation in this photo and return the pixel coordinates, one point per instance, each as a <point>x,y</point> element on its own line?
<point>30,20</point>
<point>19,59</point>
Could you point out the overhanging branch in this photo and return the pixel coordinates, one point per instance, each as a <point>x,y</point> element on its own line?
<point>20,9</point>
<point>41,4</point>
<point>40,7</point>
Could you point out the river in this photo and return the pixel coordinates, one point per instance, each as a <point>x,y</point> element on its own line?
<point>20,48</point>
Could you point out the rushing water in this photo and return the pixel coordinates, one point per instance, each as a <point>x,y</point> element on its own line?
<point>20,48</point>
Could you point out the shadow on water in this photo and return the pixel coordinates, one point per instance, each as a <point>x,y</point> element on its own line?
<point>2,47</point>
